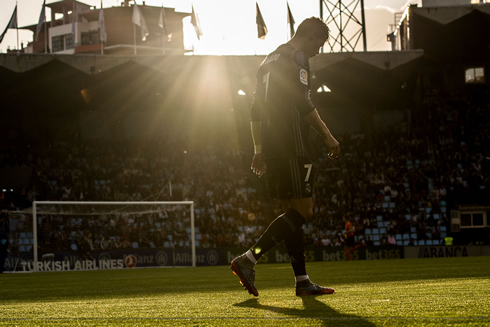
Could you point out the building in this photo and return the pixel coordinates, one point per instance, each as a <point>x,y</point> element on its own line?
<point>454,36</point>
<point>77,31</point>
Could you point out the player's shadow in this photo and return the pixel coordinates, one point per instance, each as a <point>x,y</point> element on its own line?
<point>313,309</point>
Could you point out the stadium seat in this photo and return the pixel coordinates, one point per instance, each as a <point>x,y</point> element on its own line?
<point>385,205</point>
<point>74,247</point>
<point>197,243</point>
<point>392,205</point>
<point>28,248</point>
<point>376,243</point>
<point>421,242</point>
<point>428,242</point>
<point>134,245</point>
<point>408,217</point>
<point>375,231</point>
<point>166,244</point>
<point>22,248</point>
<point>367,231</point>
<point>443,228</point>
<point>198,236</point>
<point>169,237</point>
<point>29,234</point>
<point>380,224</point>
<point>406,236</point>
<point>375,237</point>
<point>379,218</point>
<point>443,235</point>
<point>22,235</point>
<point>443,209</point>
<point>436,216</point>
<point>21,241</point>
<point>387,198</point>
<point>413,235</point>
<point>188,230</point>
<point>400,242</point>
<point>398,237</point>
<point>413,230</point>
<point>26,241</point>
<point>436,242</point>
<point>382,230</point>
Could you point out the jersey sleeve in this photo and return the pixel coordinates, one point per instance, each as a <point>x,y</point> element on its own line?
<point>258,104</point>
<point>301,82</point>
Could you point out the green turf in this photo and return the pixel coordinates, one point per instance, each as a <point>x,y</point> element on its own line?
<point>422,292</point>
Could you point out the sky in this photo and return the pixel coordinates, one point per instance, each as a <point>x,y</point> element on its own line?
<point>228,26</point>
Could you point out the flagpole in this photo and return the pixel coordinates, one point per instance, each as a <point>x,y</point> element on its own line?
<point>45,34</point>
<point>17,25</point>
<point>134,36</point>
<point>102,41</point>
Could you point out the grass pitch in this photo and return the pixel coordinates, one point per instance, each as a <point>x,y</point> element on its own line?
<point>422,292</point>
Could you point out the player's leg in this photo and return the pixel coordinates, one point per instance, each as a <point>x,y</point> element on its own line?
<point>295,246</point>
<point>280,185</point>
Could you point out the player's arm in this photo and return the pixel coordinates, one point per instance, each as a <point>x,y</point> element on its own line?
<point>258,165</point>
<point>313,119</point>
<point>305,106</point>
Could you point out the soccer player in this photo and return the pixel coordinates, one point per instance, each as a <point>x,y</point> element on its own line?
<point>281,116</point>
<point>349,238</point>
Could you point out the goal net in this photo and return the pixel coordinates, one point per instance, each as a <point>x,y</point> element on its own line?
<point>65,236</point>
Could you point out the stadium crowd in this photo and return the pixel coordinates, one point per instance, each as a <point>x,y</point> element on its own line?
<point>395,182</point>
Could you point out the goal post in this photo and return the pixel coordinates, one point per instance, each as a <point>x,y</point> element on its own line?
<point>172,222</point>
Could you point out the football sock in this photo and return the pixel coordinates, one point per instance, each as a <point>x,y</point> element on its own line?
<point>296,250</point>
<point>251,257</point>
<point>301,278</point>
<point>283,226</point>
<point>347,252</point>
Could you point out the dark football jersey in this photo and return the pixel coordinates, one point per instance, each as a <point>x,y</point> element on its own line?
<point>281,100</point>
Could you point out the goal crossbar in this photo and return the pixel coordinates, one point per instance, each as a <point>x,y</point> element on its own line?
<point>36,203</point>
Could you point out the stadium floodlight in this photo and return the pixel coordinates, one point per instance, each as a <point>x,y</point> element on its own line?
<point>81,235</point>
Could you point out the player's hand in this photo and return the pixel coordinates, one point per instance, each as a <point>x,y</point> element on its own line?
<point>258,166</point>
<point>333,146</point>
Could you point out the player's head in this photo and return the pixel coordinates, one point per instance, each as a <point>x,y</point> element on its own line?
<point>314,33</point>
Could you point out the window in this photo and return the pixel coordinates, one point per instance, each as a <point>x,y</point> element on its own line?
<point>474,219</point>
<point>465,220</point>
<point>477,219</point>
<point>58,43</point>
<point>475,75</point>
<point>91,37</point>
<point>69,41</point>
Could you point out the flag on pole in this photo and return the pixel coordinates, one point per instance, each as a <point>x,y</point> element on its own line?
<point>162,22</point>
<point>42,20</point>
<point>139,20</point>
<point>290,21</point>
<point>195,22</point>
<point>261,28</point>
<point>12,24</point>
<point>101,24</point>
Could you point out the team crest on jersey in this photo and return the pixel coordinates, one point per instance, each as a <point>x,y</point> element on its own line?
<point>303,76</point>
